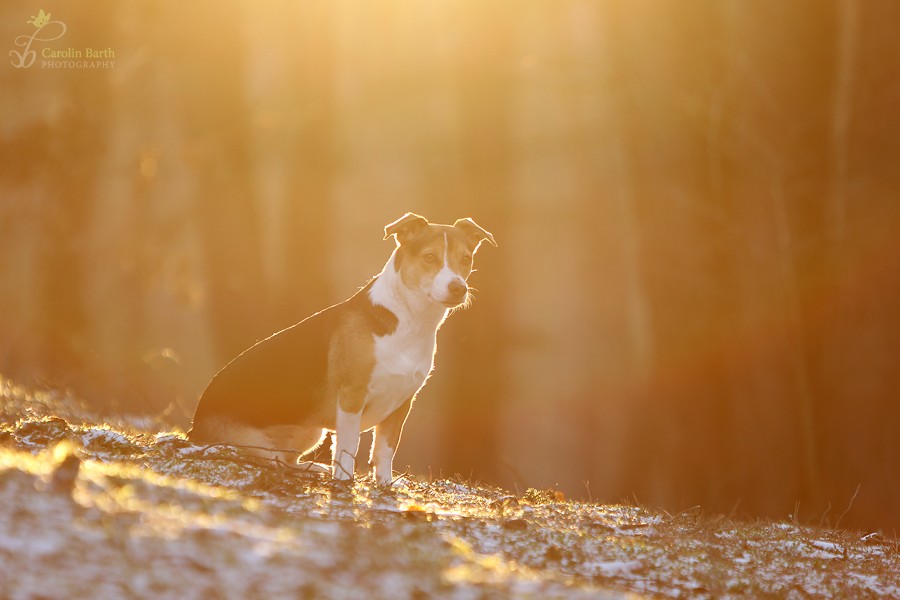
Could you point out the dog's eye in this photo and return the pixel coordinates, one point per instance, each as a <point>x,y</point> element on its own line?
<point>466,260</point>
<point>428,257</point>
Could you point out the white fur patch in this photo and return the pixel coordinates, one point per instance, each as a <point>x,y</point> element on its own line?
<point>404,358</point>
<point>382,291</point>
<point>346,445</point>
<point>403,361</point>
<point>383,461</point>
<point>440,285</point>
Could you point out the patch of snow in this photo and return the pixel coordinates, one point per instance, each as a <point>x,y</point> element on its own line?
<point>872,583</point>
<point>610,569</point>
<point>95,433</point>
<point>826,545</point>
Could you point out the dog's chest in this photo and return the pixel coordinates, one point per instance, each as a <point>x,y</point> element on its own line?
<point>403,361</point>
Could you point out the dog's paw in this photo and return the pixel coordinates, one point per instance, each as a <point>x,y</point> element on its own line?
<point>341,489</point>
<point>400,484</point>
<point>311,469</point>
<point>315,467</point>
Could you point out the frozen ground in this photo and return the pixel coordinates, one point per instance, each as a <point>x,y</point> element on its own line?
<point>89,510</point>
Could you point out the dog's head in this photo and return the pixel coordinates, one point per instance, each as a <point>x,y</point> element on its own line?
<point>435,259</point>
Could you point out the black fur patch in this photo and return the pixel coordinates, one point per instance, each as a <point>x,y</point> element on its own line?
<point>380,319</point>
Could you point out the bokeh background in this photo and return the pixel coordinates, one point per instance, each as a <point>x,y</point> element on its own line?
<point>696,291</point>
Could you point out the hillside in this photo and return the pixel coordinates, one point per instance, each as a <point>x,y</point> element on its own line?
<point>97,510</point>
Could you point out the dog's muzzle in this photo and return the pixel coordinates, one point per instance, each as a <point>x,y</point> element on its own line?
<point>456,293</point>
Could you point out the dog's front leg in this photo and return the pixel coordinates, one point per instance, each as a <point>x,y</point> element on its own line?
<point>346,445</point>
<point>387,438</point>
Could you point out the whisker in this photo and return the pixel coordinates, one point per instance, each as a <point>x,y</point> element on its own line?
<point>469,298</point>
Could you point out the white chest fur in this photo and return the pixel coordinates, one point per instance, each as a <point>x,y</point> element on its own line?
<point>403,361</point>
<point>405,357</point>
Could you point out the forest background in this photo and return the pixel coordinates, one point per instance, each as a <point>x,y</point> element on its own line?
<point>695,295</point>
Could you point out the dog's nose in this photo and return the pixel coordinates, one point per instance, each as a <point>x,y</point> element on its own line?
<point>457,289</point>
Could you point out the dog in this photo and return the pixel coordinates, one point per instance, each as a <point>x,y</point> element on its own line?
<point>352,367</point>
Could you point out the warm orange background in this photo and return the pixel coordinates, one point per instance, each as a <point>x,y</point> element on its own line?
<point>695,295</point>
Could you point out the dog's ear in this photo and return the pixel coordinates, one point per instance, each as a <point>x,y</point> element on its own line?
<point>405,227</point>
<point>474,233</point>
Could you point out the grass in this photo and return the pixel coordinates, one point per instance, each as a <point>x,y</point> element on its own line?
<point>90,509</point>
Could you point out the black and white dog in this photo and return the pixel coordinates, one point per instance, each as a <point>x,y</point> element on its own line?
<point>351,367</point>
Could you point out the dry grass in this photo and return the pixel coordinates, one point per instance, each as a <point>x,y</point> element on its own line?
<point>140,515</point>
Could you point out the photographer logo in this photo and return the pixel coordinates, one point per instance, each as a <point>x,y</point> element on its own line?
<point>56,59</point>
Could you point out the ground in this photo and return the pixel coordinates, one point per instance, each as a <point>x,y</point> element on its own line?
<point>96,509</point>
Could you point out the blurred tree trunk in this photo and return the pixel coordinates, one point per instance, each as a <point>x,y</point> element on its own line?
<point>796,332</point>
<point>60,156</point>
<point>847,23</point>
<point>309,221</point>
<point>834,343</point>
<point>637,302</point>
<point>859,333</point>
<point>476,343</point>
<point>780,149</point>
<point>217,143</point>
